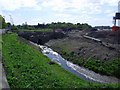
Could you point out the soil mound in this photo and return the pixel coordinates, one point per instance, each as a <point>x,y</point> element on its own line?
<point>112,37</point>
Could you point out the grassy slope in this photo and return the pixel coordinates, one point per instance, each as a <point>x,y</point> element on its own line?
<point>26,67</point>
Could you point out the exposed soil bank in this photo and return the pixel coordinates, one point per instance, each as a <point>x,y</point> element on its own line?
<point>41,37</point>
<point>76,44</point>
<point>88,53</point>
<point>112,37</point>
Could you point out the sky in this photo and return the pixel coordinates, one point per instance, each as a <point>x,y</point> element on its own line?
<point>93,12</point>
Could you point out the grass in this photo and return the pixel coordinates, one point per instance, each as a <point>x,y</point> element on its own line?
<point>110,68</point>
<point>26,67</point>
<point>37,30</point>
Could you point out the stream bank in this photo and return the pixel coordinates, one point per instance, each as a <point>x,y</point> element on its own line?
<point>75,69</point>
<point>75,46</point>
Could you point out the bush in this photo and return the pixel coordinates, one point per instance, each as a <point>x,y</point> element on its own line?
<point>107,68</point>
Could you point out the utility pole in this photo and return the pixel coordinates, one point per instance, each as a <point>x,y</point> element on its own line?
<point>11,23</point>
<point>11,20</point>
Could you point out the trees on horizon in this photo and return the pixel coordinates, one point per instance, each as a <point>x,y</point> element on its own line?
<point>56,25</point>
<point>53,25</point>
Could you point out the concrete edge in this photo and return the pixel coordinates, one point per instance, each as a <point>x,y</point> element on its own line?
<point>3,80</point>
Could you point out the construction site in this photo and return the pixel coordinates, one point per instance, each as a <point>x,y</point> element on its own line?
<point>94,52</point>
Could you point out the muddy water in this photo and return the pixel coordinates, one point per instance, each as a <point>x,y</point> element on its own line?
<point>75,69</point>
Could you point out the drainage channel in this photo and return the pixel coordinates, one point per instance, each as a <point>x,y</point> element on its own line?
<point>75,69</point>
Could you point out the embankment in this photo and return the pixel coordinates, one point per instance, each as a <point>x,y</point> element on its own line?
<point>41,37</point>
<point>89,53</point>
<point>26,67</point>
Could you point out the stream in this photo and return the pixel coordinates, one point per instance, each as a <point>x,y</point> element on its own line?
<point>75,69</point>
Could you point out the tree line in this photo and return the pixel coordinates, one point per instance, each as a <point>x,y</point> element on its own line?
<point>56,25</point>
<point>53,25</point>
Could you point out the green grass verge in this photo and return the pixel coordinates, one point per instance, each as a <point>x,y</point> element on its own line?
<point>26,67</point>
<point>110,68</point>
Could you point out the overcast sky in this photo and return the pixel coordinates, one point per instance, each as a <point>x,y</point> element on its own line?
<point>93,12</point>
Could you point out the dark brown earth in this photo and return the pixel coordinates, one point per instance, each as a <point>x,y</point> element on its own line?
<point>112,37</point>
<point>41,37</point>
<point>75,42</point>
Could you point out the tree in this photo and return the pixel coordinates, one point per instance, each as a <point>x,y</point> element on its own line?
<point>85,26</point>
<point>2,22</point>
<point>14,27</point>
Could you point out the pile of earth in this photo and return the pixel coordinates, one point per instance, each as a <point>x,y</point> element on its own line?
<point>112,37</point>
<point>82,47</point>
<point>41,37</point>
